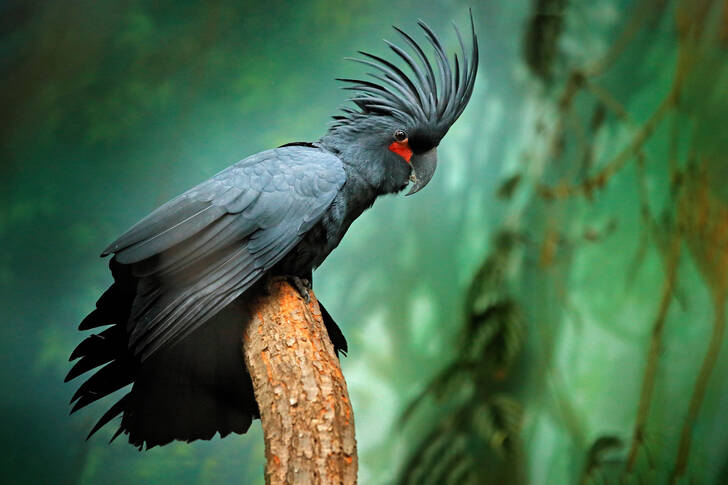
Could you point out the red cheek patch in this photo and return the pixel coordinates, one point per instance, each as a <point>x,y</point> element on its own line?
<point>402,149</point>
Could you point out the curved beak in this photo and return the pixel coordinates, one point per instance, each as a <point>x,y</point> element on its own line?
<point>423,168</point>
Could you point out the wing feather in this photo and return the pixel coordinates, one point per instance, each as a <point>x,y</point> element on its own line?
<point>167,215</point>
<point>200,251</point>
<point>171,236</point>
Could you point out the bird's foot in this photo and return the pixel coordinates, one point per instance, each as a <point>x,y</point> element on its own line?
<point>302,285</point>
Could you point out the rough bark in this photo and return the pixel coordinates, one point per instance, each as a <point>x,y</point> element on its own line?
<point>308,423</point>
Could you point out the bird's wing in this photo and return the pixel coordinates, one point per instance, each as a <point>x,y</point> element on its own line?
<point>198,252</point>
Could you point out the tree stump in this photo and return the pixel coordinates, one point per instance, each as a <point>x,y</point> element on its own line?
<point>308,423</point>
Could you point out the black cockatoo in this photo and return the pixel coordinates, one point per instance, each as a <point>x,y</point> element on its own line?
<point>178,274</point>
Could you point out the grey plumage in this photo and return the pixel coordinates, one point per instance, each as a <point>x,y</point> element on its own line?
<point>183,274</point>
<point>200,251</point>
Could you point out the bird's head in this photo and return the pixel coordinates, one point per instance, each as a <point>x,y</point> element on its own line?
<point>400,117</point>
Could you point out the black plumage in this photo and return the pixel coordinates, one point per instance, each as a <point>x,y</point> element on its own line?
<point>183,275</point>
<point>431,101</point>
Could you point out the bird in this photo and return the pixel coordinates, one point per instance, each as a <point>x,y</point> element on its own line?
<point>171,319</point>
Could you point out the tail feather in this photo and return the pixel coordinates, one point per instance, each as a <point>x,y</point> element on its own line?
<point>115,304</point>
<point>110,414</point>
<point>192,390</point>
<point>110,378</point>
<point>96,350</point>
<point>107,347</point>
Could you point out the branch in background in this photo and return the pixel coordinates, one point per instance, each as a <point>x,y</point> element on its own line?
<point>599,180</point>
<point>675,176</point>
<point>579,79</point>
<point>308,423</point>
<point>609,101</point>
<point>705,219</point>
<point>572,88</point>
<point>641,12</point>
<point>648,382</point>
<point>648,225</point>
<point>706,369</point>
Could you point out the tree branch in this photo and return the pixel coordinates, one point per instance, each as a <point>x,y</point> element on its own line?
<point>308,423</point>
<point>599,180</point>
<point>701,384</point>
<point>648,381</point>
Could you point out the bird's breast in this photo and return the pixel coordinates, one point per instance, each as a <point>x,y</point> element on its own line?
<point>323,237</point>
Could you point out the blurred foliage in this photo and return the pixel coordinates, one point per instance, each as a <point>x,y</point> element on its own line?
<point>540,47</point>
<point>587,130</point>
<point>550,310</point>
<point>481,421</point>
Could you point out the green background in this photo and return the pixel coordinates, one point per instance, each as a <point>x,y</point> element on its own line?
<point>508,322</point>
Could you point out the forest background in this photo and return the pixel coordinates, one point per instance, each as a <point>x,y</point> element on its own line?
<point>550,309</point>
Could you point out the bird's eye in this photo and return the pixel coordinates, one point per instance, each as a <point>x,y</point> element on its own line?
<point>400,135</point>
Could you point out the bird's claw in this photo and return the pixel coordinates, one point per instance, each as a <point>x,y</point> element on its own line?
<point>302,285</point>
